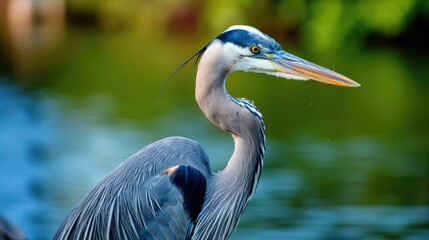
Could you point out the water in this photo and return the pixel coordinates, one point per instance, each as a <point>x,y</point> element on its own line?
<point>341,163</point>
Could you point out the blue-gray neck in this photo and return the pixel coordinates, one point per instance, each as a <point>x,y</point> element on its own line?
<point>228,191</point>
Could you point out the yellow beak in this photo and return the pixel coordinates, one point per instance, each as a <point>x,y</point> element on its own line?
<point>296,67</point>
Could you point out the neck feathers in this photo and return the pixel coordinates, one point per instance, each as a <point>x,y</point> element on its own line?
<point>229,191</point>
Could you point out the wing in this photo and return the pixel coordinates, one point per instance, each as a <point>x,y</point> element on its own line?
<point>155,194</point>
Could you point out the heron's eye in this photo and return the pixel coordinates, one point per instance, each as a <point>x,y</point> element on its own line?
<point>254,49</point>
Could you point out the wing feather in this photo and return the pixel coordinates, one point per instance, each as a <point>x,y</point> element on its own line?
<point>138,200</point>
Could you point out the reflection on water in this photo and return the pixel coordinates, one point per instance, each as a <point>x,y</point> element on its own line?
<point>341,163</point>
<point>52,155</point>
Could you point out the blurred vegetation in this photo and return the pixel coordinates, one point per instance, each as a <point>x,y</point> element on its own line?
<point>318,25</point>
<point>99,43</point>
<point>103,63</point>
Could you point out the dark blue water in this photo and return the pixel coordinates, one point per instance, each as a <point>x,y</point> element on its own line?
<point>52,154</point>
<point>341,163</point>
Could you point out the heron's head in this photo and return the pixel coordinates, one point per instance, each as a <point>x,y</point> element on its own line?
<point>245,48</point>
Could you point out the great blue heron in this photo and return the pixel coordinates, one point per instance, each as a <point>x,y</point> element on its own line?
<point>167,190</point>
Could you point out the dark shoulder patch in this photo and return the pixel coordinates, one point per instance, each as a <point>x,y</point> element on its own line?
<point>193,185</point>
